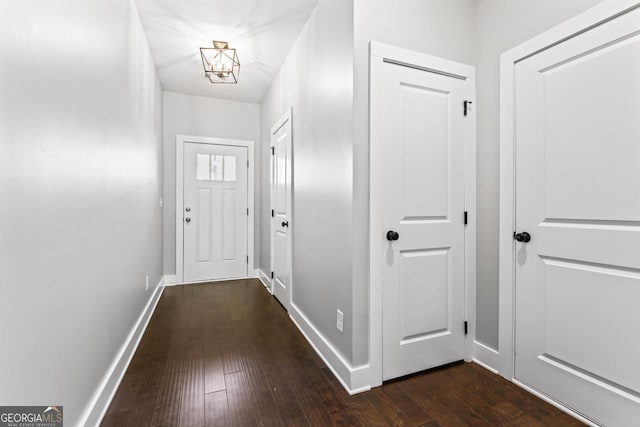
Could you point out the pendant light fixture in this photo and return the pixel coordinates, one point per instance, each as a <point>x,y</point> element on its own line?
<point>221,64</point>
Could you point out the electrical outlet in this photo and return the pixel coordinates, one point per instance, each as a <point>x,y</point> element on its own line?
<point>146,283</point>
<point>340,321</point>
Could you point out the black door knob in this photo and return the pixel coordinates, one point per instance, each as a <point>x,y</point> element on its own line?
<point>285,224</point>
<point>392,235</point>
<point>522,237</point>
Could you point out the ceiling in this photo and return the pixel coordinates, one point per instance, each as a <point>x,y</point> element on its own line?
<point>262,31</point>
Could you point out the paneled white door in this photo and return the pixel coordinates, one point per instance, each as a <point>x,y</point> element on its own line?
<point>215,217</point>
<point>419,159</point>
<point>578,201</point>
<point>281,192</point>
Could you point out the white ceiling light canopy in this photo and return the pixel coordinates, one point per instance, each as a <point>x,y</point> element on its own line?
<point>221,64</point>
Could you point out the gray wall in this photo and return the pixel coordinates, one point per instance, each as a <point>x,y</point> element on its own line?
<point>80,184</point>
<point>500,25</point>
<point>316,80</point>
<point>212,117</point>
<point>438,27</point>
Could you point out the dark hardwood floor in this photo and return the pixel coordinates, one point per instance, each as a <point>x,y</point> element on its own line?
<point>227,354</point>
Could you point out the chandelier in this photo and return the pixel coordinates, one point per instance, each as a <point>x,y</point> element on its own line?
<point>221,64</point>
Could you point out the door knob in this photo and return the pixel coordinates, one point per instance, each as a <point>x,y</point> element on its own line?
<point>522,237</point>
<point>187,219</point>
<point>285,224</point>
<point>392,235</point>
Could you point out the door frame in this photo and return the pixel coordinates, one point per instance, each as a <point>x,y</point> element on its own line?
<point>181,140</point>
<point>600,14</point>
<point>286,117</point>
<point>378,53</point>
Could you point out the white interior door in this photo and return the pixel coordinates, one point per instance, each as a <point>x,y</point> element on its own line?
<point>281,192</point>
<point>578,197</point>
<point>418,161</point>
<point>215,212</point>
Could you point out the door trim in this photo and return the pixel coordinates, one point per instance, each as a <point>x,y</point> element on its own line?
<point>286,117</point>
<point>395,56</point>
<point>180,141</point>
<point>586,21</point>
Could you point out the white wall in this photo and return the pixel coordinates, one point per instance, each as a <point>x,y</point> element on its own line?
<point>80,184</point>
<point>500,25</point>
<point>316,80</point>
<point>437,27</point>
<point>202,116</point>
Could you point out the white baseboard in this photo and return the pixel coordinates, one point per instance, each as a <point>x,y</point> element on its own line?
<point>106,390</point>
<point>354,380</point>
<point>486,357</point>
<point>264,278</point>
<point>172,280</point>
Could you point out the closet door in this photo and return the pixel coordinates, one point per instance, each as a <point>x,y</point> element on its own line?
<point>578,222</point>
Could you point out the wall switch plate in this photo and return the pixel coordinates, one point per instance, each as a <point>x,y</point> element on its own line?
<point>340,321</point>
<point>146,283</point>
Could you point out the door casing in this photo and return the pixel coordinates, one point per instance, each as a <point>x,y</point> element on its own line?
<point>180,141</point>
<point>380,53</point>
<point>503,360</point>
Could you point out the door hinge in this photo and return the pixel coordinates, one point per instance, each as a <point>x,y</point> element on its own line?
<point>466,327</point>
<point>247,211</point>
<point>247,164</point>
<point>273,213</point>
<point>467,106</point>
<point>247,259</point>
<point>466,217</point>
<point>273,150</point>
<point>272,274</point>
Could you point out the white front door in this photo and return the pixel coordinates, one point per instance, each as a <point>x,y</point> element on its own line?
<point>281,192</point>
<point>418,165</point>
<point>578,198</point>
<point>215,212</point>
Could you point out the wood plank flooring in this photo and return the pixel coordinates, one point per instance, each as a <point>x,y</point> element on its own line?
<point>227,354</point>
